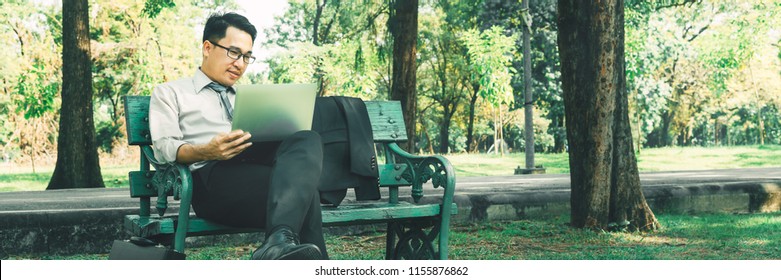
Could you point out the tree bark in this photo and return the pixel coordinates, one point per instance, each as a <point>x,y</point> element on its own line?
<point>444,132</point>
<point>404,28</point>
<point>605,183</point>
<point>77,155</point>
<point>471,144</point>
<point>449,107</point>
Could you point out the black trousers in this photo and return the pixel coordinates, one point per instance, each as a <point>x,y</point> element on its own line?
<point>271,184</point>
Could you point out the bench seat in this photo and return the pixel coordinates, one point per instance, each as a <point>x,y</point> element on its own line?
<point>348,214</point>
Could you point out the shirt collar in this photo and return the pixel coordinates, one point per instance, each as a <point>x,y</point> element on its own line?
<point>200,80</point>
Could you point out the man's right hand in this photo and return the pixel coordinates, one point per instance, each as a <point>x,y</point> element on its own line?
<point>223,146</point>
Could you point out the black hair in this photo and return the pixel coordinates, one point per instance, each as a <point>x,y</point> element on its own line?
<point>218,23</point>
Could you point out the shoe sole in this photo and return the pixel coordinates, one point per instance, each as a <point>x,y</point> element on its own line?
<point>303,253</point>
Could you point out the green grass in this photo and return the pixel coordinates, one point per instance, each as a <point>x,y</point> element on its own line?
<point>657,159</point>
<point>683,237</point>
<point>691,158</point>
<point>23,179</point>
<point>470,165</point>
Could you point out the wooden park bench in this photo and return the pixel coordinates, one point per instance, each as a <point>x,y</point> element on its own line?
<point>415,230</point>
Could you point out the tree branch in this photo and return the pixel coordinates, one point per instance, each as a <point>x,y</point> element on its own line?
<point>316,21</point>
<point>672,4</point>
<point>698,32</point>
<point>18,35</point>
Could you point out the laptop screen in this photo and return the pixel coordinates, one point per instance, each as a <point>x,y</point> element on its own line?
<point>272,112</point>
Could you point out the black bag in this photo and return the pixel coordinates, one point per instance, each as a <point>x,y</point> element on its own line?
<point>138,248</point>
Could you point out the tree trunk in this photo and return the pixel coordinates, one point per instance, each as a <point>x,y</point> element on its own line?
<point>470,127</point>
<point>316,22</point>
<point>404,28</point>
<point>77,155</point>
<point>448,111</point>
<point>605,182</point>
<point>444,132</point>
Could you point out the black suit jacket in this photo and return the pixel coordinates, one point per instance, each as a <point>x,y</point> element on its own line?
<point>349,160</point>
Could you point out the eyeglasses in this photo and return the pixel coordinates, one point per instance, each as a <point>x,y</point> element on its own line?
<point>235,54</point>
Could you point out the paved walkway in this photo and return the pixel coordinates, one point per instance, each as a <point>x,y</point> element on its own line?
<point>118,198</point>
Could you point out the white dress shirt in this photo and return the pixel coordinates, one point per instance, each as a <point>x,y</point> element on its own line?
<point>185,111</point>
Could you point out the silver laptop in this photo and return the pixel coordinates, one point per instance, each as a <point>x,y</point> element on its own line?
<point>273,112</point>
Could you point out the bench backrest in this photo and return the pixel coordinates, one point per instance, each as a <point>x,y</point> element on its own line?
<point>386,118</point>
<point>387,125</point>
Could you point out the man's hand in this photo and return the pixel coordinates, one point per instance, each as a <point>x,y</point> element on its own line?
<point>227,145</point>
<point>223,146</point>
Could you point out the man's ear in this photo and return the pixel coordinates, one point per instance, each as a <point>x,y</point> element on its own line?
<point>205,48</point>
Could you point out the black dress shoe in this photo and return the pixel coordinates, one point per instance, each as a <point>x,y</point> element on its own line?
<point>282,244</point>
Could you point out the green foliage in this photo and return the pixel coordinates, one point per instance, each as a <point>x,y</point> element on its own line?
<point>36,91</point>
<point>106,133</point>
<point>344,69</point>
<point>491,52</point>
<point>689,69</point>
<point>648,86</point>
<point>152,8</point>
<point>133,54</point>
<point>29,77</point>
<point>348,55</point>
<point>698,72</point>
<point>337,21</point>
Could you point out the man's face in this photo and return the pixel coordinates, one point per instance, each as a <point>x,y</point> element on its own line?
<point>216,63</point>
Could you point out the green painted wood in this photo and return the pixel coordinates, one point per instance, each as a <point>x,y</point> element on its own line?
<point>387,121</point>
<point>143,226</point>
<point>141,184</point>
<point>353,214</point>
<point>137,119</point>
<point>390,175</point>
<point>377,212</point>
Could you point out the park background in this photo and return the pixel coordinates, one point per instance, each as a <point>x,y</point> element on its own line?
<point>702,76</point>
<point>703,73</point>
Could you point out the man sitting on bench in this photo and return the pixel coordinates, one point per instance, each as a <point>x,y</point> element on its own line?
<point>271,185</point>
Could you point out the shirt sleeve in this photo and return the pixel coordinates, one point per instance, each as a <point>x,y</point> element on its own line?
<point>164,124</point>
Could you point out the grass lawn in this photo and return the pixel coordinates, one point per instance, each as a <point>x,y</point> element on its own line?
<point>21,178</point>
<point>683,237</point>
<point>657,159</point>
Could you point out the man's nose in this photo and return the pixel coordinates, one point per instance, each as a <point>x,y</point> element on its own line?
<point>239,62</point>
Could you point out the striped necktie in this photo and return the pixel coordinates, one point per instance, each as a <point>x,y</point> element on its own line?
<point>223,92</point>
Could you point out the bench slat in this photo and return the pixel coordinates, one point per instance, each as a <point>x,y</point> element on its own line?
<point>387,121</point>
<point>141,181</point>
<point>344,214</point>
<point>141,184</point>
<point>137,119</point>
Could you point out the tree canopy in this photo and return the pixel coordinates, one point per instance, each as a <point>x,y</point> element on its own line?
<point>698,72</point>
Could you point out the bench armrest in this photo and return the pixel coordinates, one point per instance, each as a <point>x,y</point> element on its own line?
<point>424,168</point>
<point>170,179</point>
